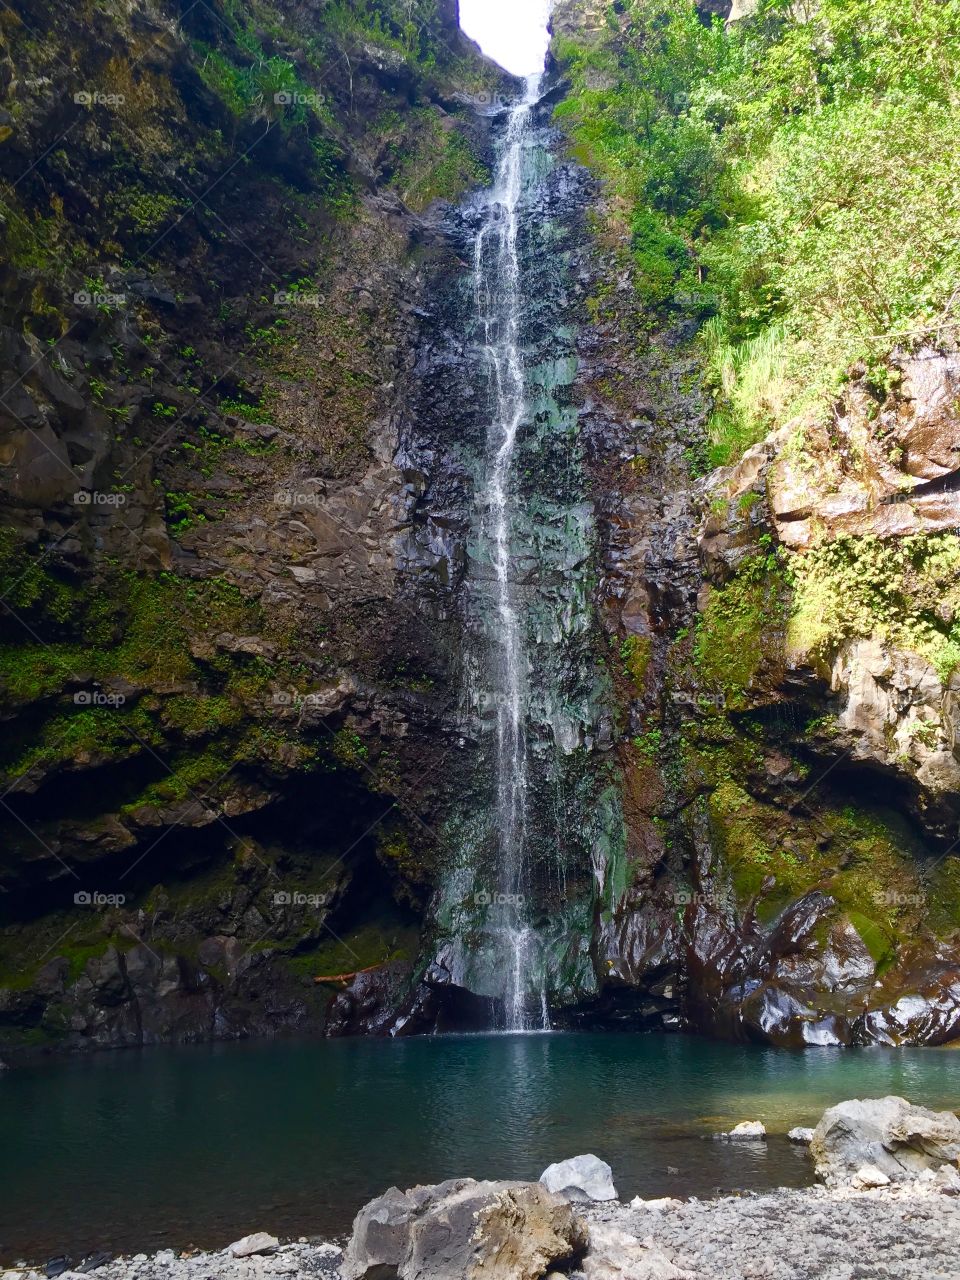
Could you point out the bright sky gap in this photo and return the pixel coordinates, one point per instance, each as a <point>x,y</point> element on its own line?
<point>512,32</point>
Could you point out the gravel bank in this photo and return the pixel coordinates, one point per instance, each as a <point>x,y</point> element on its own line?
<point>815,1234</point>
<point>812,1234</point>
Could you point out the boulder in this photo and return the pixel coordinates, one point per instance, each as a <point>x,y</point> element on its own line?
<point>259,1242</point>
<point>463,1230</point>
<point>580,1178</point>
<point>614,1254</point>
<point>801,1135</point>
<point>746,1131</point>
<point>889,1134</point>
<point>379,1239</point>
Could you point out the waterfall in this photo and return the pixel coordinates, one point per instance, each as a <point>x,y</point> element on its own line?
<point>534,839</point>
<point>499,304</point>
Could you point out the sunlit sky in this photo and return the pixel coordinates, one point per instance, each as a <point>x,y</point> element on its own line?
<point>512,32</point>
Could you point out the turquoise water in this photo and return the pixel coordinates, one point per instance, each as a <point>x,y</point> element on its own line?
<point>199,1145</point>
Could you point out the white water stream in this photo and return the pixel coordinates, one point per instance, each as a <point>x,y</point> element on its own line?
<point>499,304</point>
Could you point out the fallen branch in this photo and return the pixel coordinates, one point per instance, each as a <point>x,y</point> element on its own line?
<point>349,977</point>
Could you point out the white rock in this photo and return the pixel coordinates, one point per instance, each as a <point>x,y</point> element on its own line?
<point>259,1242</point>
<point>889,1134</point>
<point>614,1254</point>
<point>746,1131</point>
<point>801,1134</point>
<point>870,1176</point>
<point>580,1178</point>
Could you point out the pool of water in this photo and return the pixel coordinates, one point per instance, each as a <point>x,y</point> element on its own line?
<point>139,1150</point>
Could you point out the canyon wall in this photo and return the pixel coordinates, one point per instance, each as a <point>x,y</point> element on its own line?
<point>242,430</point>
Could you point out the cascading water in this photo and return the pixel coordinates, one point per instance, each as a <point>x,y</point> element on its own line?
<point>534,843</point>
<point>499,308</point>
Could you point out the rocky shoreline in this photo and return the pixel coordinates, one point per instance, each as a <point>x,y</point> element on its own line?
<point>889,1207</point>
<point>835,1234</point>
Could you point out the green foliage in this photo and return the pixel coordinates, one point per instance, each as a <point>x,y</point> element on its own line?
<point>406,26</point>
<point>803,157</point>
<point>181,512</point>
<point>348,749</point>
<point>431,161</point>
<point>145,211</point>
<point>661,255</point>
<point>252,412</point>
<point>649,744</point>
<point>905,591</point>
<point>752,385</point>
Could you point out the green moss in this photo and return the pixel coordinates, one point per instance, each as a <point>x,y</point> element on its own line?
<point>201,714</point>
<point>145,211</point>
<point>395,849</point>
<point>738,629</point>
<point>85,735</point>
<point>431,161</point>
<point>868,865</point>
<point>78,953</point>
<point>191,775</point>
<point>362,948</point>
<point>635,654</point>
<point>945,895</point>
<point>874,937</point>
<point>34,1037</point>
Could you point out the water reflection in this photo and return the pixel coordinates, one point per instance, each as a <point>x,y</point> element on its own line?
<point>199,1145</point>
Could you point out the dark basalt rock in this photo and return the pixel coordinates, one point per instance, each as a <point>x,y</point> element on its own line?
<point>354,591</point>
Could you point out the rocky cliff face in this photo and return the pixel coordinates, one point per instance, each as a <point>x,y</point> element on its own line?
<point>782,638</point>
<point>241,431</point>
<point>222,709</point>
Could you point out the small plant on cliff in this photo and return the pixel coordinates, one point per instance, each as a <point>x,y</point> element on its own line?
<point>904,591</point>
